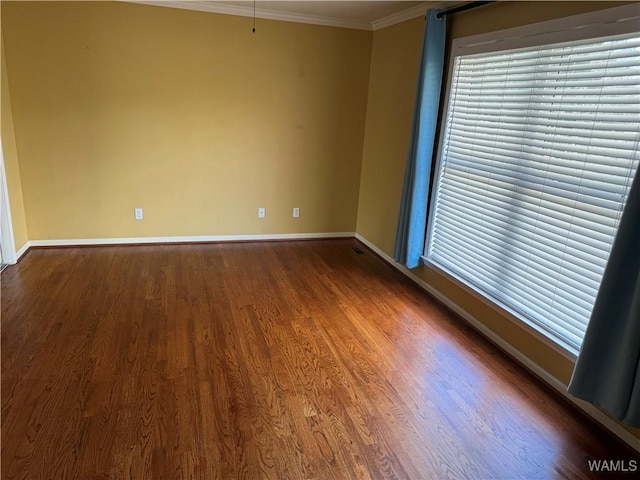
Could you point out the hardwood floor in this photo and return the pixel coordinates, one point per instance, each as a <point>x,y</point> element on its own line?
<point>300,360</point>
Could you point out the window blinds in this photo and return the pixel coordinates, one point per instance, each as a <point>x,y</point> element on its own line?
<point>539,150</point>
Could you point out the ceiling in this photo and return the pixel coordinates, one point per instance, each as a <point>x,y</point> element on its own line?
<point>360,11</point>
<point>362,14</point>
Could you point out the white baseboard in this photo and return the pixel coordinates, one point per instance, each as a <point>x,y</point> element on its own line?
<point>186,239</point>
<point>23,250</point>
<point>603,419</point>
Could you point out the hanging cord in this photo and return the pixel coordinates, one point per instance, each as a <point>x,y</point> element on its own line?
<point>253,30</point>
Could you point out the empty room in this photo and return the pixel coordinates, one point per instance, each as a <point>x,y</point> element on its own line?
<point>320,240</point>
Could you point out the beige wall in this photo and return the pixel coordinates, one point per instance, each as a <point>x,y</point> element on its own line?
<point>186,114</point>
<point>392,90</point>
<point>394,64</point>
<point>12,169</point>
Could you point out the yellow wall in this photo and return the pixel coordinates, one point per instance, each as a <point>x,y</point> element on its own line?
<point>392,90</point>
<point>392,84</point>
<point>12,169</point>
<point>186,114</point>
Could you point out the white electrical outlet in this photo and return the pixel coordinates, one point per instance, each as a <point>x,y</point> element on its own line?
<point>137,213</point>
<point>262,212</point>
<point>296,212</point>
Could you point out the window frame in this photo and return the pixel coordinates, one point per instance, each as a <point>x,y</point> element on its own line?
<point>603,23</point>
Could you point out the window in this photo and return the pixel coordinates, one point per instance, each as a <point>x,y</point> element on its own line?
<point>539,147</point>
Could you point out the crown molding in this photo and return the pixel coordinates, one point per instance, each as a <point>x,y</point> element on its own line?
<point>402,16</point>
<point>245,11</point>
<point>413,12</point>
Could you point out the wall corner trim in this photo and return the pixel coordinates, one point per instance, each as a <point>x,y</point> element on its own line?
<point>22,250</point>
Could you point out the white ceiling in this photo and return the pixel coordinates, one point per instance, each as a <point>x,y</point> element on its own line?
<point>361,14</point>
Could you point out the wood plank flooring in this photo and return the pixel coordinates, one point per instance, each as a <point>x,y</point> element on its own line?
<point>299,360</point>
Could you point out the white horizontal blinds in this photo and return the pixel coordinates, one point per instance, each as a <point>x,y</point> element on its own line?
<point>539,151</point>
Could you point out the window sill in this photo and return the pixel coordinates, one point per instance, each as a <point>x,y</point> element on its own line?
<point>564,349</point>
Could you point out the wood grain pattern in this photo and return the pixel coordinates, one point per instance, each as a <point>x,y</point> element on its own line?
<point>298,360</point>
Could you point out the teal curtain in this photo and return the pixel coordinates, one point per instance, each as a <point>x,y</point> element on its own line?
<point>412,222</point>
<point>607,373</point>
